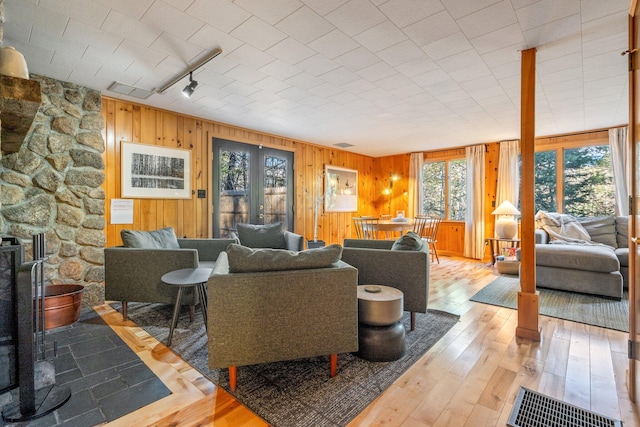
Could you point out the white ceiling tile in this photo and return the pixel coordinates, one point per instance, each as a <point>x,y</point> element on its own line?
<point>358,87</point>
<point>561,76</point>
<point>374,94</point>
<point>291,50</point>
<point>594,9</point>
<point>559,64</point>
<point>325,89</point>
<point>417,66</point>
<point>179,4</point>
<point>133,9</point>
<point>129,50</point>
<point>213,79</point>
<point>339,76</point>
<point>258,33</point>
<point>168,44</point>
<point>487,20</point>
<point>304,80</point>
<point>458,8</point>
<point>210,38</point>
<point>304,25</point>
<point>25,14</point>
<point>447,46</point>
<point>506,70</point>
<point>210,12</point>
<point>431,29</point>
<point>407,12</point>
<point>280,69</point>
<point>62,59</point>
<point>333,44</point>
<point>394,82</point>
<point>549,33</point>
<point>271,11</point>
<point>355,16</point>
<point>317,65</point>
<point>172,20</point>
<point>322,7</point>
<point>380,37</point>
<point>238,88</point>
<point>505,37</point>
<point>503,56</point>
<point>377,71</point>
<point>246,75</point>
<point>87,11</point>
<point>53,43</point>
<point>250,56</point>
<point>357,59</point>
<point>544,12</point>
<point>480,83</point>
<point>19,30</point>
<point>401,53</point>
<point>124,26</point>
<point>91,35</point>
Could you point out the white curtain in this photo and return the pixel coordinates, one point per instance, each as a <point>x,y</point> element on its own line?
<point>415,185</point>
<point>474,218</point>
<point>619,146</point>
<point>508,173</point>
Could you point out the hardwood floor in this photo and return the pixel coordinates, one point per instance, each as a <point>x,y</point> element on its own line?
<point>469,378</point>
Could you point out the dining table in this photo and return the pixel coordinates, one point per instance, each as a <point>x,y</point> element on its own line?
<point>390,227</point>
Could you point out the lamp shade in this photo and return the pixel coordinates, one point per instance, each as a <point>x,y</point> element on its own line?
<point>506,208</point>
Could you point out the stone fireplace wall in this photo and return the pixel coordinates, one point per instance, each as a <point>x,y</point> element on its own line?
<point>52,185</point>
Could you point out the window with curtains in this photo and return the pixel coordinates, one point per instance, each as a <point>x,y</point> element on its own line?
<point>444,188</point>
<point>580,177</point>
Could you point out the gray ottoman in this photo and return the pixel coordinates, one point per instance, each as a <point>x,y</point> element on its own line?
<point>380,333</point>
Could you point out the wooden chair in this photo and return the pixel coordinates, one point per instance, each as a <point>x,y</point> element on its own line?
<point>387,234</point>
<point>366,227</point>
<point>430,235</point>
<point>420,223</point>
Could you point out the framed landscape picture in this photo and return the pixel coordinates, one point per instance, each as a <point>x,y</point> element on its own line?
<point>341,189</point>
<point>155,172</point>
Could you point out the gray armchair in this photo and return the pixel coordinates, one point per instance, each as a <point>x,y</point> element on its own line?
<point>268,316</point>
<point>404,270</point>
<point>268,236</point>
<point>134,274</point>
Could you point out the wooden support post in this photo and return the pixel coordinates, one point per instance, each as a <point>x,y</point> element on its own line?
<point>528,303</point>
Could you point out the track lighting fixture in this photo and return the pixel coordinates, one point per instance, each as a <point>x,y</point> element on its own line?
<point>188,89</point>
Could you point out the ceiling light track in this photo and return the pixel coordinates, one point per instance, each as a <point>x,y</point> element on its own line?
<point>190,71</point>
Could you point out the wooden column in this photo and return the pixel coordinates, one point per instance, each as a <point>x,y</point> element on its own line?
<point>528,303</point>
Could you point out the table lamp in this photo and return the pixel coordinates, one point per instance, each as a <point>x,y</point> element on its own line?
<point>506,225</point>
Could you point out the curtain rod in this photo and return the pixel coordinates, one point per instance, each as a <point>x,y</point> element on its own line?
<point>191,69</point>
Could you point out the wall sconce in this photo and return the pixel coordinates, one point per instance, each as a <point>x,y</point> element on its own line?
<point>388,191</point>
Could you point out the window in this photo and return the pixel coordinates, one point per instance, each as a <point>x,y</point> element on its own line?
<point>581,177</point>
<point>444,191</point>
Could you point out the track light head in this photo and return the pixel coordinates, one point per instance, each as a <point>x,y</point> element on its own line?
<point>191,87</point>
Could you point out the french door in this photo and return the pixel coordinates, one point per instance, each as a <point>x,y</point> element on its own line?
<point>251,184</point>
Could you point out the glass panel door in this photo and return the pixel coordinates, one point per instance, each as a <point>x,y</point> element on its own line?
<point>252,184</point>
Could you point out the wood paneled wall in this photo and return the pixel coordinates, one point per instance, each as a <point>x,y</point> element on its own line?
<point>126,121</point>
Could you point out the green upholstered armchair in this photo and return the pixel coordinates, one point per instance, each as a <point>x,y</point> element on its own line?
<point>134,274</point>
<point>268,316</point>
<point>400,269</point>
<point>268,236</point>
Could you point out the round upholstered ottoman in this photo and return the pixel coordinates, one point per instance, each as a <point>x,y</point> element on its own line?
<point>380,333</point>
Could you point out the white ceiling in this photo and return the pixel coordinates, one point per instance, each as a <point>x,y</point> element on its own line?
<point>388,76</point>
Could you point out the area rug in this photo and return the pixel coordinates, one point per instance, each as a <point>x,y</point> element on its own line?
<point>581,308</point>
<point>298,392</point>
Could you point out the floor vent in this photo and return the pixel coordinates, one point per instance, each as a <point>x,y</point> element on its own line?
<point>533,409</point>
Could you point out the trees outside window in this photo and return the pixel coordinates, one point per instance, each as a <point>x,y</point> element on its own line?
<point>588,182</point>
<point>545,181</point>
<point>444,188</point>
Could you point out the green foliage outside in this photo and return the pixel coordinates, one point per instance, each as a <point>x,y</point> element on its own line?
<point>588,182</point>
<point>457,189</point>
<point>434,184</point>
<point>234,170</point>
<point>545,182</point>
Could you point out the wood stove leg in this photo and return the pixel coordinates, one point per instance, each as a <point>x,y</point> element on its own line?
<point>233,377</point>
<point>124,310</point>
<point>333,361</point>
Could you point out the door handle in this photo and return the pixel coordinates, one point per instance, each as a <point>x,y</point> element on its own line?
<point>261,216</point>
<point>635,240</point>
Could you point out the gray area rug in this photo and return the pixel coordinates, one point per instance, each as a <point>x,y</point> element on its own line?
<point>581,308</point>
<point>298,392</point>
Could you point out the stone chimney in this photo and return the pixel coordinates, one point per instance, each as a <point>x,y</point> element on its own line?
<point>19,103</point>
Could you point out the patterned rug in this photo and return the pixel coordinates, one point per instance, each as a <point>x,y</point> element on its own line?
<point>298,392</point>
<point>581,308</point>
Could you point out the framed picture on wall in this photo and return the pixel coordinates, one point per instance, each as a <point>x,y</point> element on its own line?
<point>155,172</point>
<point>341,189</point>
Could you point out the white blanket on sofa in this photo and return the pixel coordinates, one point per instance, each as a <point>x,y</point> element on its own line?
<point>562,228</point>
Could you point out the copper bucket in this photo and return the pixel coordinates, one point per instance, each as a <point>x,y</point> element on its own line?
<point>61,305</point>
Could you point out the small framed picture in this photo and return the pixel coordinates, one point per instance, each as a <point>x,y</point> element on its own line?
<point>341,189</point>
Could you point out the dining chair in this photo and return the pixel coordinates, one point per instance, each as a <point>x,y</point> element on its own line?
<point>430,235</point>
<point>387,234</point>
<point>366,227</point>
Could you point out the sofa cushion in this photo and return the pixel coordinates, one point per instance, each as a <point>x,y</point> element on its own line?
<point>622,227</point>
<point>261,236</point>
<point>623,256</point>
<point>164,238</point>
<point>602,229</point>
<point>245,260</point>
<point>578,257</point>
<point>408,242</point>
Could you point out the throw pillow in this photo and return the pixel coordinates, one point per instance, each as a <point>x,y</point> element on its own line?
<point>247,260</point>
<point>261,236</point>
<point>602,229</point>
<point>164,238</point>
<point>622,227</point>
<point>409,242</point>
